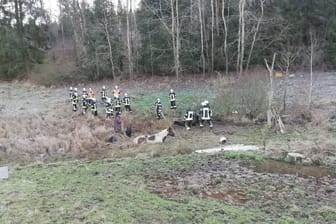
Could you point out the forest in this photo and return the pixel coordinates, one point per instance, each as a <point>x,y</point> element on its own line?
<point>101,39</point>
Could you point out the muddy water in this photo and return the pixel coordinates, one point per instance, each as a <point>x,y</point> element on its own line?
<point>272,166</point>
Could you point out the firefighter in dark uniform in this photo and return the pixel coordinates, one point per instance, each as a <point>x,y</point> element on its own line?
<point>70,93</point>
<point>172,99</point>
<point>84,101</point>
<point>127,103</point>
<point>108,108</point>
<point>74,100</point>
<point>103,94</point>
<point>188,118</point>
<point>205,114</point>
<point>117,104</point>
<point>158,109</point>
<point>94,110</point>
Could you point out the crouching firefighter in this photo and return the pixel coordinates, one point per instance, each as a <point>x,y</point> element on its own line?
<point>74,100</point>
<point>188,118</point>
<point>205,114</point>
<point>108,108</point>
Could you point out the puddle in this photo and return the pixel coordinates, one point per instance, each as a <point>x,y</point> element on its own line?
<point>229,196</point>
<point>272,166</point>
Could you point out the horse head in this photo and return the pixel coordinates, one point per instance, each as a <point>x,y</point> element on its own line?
<point>171,132</point>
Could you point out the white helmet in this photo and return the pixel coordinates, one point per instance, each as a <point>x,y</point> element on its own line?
<point>206,102</point>
<point>70,88</point>
<point>203,103</point>
<point>171,90</point>
<point>116,87</point>
<point>104,87</point>
<point>158,100</point>
<point>75,89</point>
<point>108,100</point>
<point>84,89</point>
<point>126,94</point>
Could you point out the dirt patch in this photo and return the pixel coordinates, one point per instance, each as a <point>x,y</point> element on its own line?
<point>248,184</point>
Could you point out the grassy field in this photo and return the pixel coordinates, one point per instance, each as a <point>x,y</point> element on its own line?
<point>62,170</point>
<point>110,191</point>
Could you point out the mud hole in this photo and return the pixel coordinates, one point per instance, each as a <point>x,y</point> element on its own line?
<point>267,185</point>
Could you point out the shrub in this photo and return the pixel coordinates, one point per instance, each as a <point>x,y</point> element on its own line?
<point>246,96</point>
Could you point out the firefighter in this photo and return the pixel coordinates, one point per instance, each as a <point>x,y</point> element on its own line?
<point>74,99</point>
<point>94,110</point>
<point>103,94</point>
<point>90,97</point>
<point>108,108</point>
<point>84,101</point>
<point>158,109</point>
<point>70,93</point>
<point>84,93</point>
<point>116,92</point>
<point>188,118</point>
<point>172,99</point>
<point>127,103</point>
<point>117,104</point>
<point>205,114</point>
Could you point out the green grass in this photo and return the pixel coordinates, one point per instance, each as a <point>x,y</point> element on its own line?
<point>102,191</point>
<point>243,155</point>
<point>184,100</point>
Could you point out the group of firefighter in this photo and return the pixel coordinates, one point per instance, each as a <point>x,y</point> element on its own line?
<point>89,101</point>
<point>115,104</point>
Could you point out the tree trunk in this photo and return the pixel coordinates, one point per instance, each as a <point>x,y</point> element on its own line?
<point>109,44</point>
<point>242,37</point>
<point>173,32</point>
<point>212,35</point>
<point>239,36</point>
<point>311,69</point>
<point>225,39</point>
<point>129,48</point>
<point>201,32</point>
<point>178,41</point>
<point>270,91</point>
<point>256,32</point>
<point>62,29</point>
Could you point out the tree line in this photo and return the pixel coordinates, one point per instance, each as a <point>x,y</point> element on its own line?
<point>110,40</point>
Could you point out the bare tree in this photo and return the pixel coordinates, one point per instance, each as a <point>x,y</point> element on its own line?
<point>212,34</point>
<point>129,47</point>
<point>107,33</point>
<point>241,37</point>
<point>255,33</point>
<point>225,38</point>
<point>287,58</point>
<point>201,33</point>
<point>175,32</point>
<point>270,90</point>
